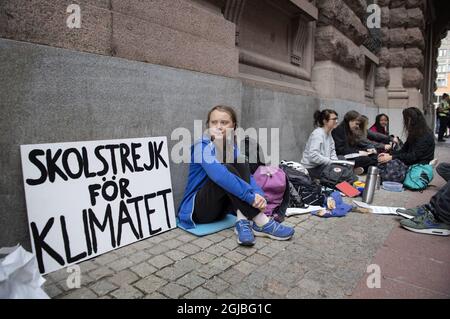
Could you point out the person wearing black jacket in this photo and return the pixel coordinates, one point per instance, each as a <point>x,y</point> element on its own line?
<point>419,145</point>
<point>347,139</point>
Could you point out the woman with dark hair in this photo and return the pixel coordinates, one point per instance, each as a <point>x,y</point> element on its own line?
<point>320,151</point>
<point>381,124</point>
<point>419,145</point>
<point>373,140</point>
<point>347,137</point>
<point>216,187</point>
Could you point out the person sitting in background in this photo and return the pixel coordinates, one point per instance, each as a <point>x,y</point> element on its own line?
<point>434,217</point>
<point>320,150</point>
<point>373,140</point>
<point>347,137</point>
<point>419,145</point>
<point>381,124</point>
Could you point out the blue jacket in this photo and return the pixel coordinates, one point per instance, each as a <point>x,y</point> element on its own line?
<point>207,166</point>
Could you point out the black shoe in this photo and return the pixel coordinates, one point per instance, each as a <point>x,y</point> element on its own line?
<point>441,140</point>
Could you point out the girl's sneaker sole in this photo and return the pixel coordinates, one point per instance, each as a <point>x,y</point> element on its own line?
<point>261,234</point>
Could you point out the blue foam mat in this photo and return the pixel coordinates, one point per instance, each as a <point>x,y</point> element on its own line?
<point>206,229</point>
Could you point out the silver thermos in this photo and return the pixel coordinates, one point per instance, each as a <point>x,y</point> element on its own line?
<point>371,184</point>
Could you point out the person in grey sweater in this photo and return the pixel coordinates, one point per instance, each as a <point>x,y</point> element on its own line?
<point>320,150</point>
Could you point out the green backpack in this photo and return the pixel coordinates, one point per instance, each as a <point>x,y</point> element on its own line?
<point>418,176</point>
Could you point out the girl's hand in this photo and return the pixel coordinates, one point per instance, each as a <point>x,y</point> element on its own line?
<point>387,147</point>
<point>384,158</point>
<point>260,202</point>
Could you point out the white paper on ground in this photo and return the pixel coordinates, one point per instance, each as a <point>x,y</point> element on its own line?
<point>19,275</point>
<point>382,210</point>
<point>299,211</point>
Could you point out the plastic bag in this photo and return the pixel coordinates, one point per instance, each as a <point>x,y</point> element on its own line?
<point>19,275</point>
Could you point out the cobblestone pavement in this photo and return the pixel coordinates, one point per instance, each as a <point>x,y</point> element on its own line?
<point>325,259</point>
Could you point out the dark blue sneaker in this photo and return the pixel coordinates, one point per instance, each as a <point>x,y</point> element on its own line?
<point>244,233</point>
<point>274,230</point>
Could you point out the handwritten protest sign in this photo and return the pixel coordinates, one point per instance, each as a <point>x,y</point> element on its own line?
<point>87,198</point>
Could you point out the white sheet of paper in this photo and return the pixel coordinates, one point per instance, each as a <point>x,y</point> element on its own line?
<point>382,210</point>
<point>298,211</point>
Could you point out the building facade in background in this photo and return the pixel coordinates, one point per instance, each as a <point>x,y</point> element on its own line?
<point>443,69</point>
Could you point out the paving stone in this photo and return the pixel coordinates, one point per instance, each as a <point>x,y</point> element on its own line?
<point>172,243</point>
<point>247,251</point>
<point>204,257</point>
<point>189,249</point>
<point>229,243</point>
<point>107,258</point>
<point>150,284</point>
<point>155,295</point>
<point>58,275</point>
<point>139,256</point>
<point>191,280</point>
<point>216,250</point>
<point>235,256</point>
<point>82,293</point>
<point>200,293</point>
<point>121,264</point>
<point>216,237</point>
<point>185,238</point>
<point>268,251</point>
<point>258,259</point>
<point>173,290</point>
<point>157,249</point>
<point>88,266</point>
<point>202,242</point>
<point>123,278</point>
<point>208,272</point>
<point>160,261</point>
<point>143,269</point>
<point>169,234</point>
<point>127,292</point>
<point>175,255</point>
<point>276,287</point>
<point>102,287</point>
<point>222,263</point>
<point>245,267</point>
<point>101,272</point>
<point>125,251</point>
<point>233,276</point>
<point>216,285</point>
<point>52,290</point>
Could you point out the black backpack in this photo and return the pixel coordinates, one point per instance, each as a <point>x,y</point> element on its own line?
<point>259,154</point>
<point>309,191</point>
<point>334,174</point>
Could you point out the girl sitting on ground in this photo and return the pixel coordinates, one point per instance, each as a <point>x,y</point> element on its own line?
<point>373,140</point>
<point>347,137</point>
<point>320,151</point>
<point>381,124</point>
<point>419,145</point>
<point>216,187</point>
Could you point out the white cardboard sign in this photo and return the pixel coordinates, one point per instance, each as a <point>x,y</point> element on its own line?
<point>87,198</point>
